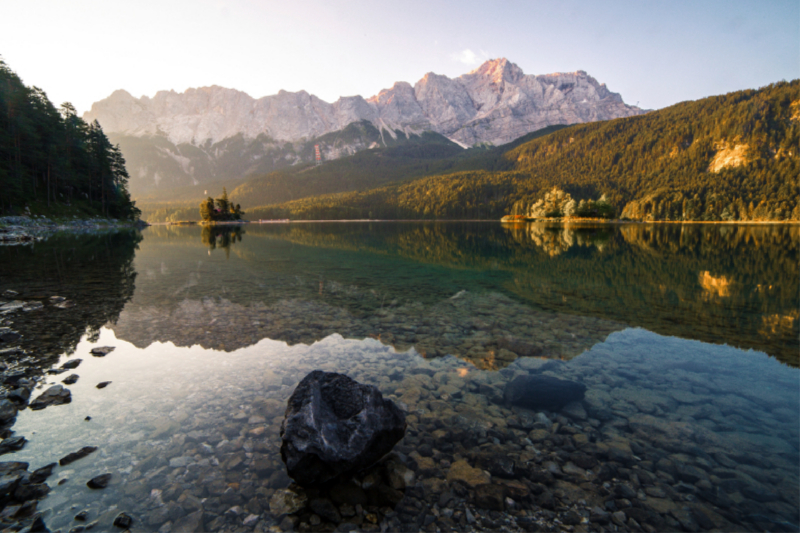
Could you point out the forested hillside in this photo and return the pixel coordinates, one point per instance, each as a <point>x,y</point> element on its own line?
<point>403,158</point>
<point>53,162</point>
<point>730,157</point>
<point>366,169</point>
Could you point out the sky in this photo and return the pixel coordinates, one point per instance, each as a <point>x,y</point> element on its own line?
<point>654,53</point>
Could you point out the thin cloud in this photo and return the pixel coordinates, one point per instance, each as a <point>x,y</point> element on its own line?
<point>468,57</point>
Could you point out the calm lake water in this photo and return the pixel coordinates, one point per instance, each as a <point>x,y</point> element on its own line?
<point>686,338</point>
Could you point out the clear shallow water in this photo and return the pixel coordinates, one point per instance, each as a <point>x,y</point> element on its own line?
<point>211,341</point>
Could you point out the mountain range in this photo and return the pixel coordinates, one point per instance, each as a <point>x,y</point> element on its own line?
<point>213,134</point>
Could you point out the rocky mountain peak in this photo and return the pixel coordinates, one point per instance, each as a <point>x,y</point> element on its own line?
<point>495,103</point>
<point>498,70</point>
<point>121,94</point>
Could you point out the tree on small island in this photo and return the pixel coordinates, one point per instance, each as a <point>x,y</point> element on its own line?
<point>559,204</point>
<point>220,209</point>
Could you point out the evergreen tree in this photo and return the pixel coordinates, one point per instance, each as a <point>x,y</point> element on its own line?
<point>51,156</point>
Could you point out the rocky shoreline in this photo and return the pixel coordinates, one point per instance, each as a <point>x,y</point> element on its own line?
<point>16,230</point>
<point>24,369</point>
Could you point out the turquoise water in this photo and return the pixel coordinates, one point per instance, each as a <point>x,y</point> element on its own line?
<point>686,338</point>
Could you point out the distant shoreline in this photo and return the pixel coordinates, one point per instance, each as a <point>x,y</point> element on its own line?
<point>505,222</point>
<point>615,222</point>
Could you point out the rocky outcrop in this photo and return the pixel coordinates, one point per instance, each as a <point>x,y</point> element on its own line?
<point>495,103</point>
<point>335,425</point>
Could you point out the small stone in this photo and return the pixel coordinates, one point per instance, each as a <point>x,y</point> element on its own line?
<point>758,493</point>
<point>82,516</point>
<point>74,456</point>
<point>41,474</point>
<point>179,462</point>
<point>625,492</point>
<point>55,395</point>
<point>102,351</point>
<point>399,475</point>
<point>580,440</point>
<point>489,496</point>
<point>99,482</point>
<point>619,518</point>
<point>538,435</point>
<point>575,411</point>
<point>250,520</point>
<point>190,522</point>
<point>123,520</point>
<point>11,444</point>
<point>570,468</point>
<point>71,364</point>
<point>9,335</point>
<point>285,501</point>
<point>19,395</point>
<point>71,379</point>
<point>8,411</point>
<point>462,471</point>
<point>469,516</point>
<point>9,482</point>
<point>571,518</point>
<point>103,384</point>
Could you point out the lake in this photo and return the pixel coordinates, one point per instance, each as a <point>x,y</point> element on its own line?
<point>684,336</point>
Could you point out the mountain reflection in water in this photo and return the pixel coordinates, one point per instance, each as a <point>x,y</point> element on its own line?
<point>481,292</point>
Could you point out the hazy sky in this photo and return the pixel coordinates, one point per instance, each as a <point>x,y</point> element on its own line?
<point>653,53</point>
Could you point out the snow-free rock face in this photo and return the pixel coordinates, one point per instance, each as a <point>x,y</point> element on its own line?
<point>495,103</point>
<point>335,425</point>
<point>214,133</point>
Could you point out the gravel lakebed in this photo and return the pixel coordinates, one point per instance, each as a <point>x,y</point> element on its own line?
<point>682,436</point>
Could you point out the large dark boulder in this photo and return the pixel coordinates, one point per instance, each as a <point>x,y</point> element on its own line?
<point>540,391</point>
<point>335,425</point>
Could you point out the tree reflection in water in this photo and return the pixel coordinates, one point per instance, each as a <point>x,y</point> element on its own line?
<point>221,236</point>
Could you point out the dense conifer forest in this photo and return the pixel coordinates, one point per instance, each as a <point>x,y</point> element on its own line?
<point>732,157</point>
<point>52,162</point>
